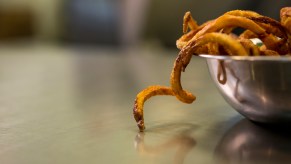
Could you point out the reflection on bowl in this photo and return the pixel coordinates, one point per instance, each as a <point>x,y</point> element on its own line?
<point>248,143</point>
<point>257,87</point>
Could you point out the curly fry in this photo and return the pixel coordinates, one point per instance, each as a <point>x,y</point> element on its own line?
<point>189,22</point>
<point>276,31</point>
<point>142,97</point>
<point>248,34</point>
<point>226,21</point>
<point>229,43</point>
<point>181,94</point>
<point>262,48</point>
<point>183,40</point>
<point>185,55</point>
<point>243,13</point>
<point>250,47</point>
<point>222,39</point>
<point>270,25</point>
<point>269,53</point>
<point>213,49</point>
<point>285,16</point>
<point>203,50</point>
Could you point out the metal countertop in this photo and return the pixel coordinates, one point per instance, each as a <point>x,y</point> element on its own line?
<point>69,105</point>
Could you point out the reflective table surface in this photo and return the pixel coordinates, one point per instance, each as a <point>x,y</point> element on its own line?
<point>74,105</point>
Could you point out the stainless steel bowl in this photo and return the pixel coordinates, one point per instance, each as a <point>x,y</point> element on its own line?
<point>257,87</point>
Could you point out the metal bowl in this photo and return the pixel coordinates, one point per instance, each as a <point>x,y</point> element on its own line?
<point>257,87</point>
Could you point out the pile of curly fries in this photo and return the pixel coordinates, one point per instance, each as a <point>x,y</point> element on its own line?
<point>216,37</point>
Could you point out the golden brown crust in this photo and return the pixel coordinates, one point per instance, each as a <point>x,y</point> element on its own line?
<point>142,97</point>
<point>184,39</point>
<point>285,12</point>
<point>225,40</point>
<point>247,34</point>
<point>285,16</point>
<point>189,22</point>
<point>243,13</point>
<point>270,25</point>
<point>176,86</point>
<point>269,53</point>
<point>250,47</point>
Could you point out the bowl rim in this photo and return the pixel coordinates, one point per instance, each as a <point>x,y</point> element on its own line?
<point>247,58</point>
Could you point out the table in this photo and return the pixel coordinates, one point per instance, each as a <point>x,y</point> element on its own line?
<point>62,104</point>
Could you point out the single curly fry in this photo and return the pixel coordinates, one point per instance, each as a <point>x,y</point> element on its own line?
<point>225,40</point>
<point>248,34</point>
<point>243,13</point>
<point>142,97</point>
<point>181,94</point>
<point>189,22</point>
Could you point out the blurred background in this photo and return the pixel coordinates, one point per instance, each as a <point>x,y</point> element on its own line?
<point>114,22</point>
<point>70,71</point>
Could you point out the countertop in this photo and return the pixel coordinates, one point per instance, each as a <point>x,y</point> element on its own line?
<point>74,105</point>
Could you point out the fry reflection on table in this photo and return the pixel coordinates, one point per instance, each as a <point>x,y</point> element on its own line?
<point>250,143</point>
<point>182,141</point>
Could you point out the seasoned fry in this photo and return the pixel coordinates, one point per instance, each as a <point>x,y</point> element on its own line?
<point>232,47</point>
<point>213,48</point>
<point>248,34</point>
<point>243,13</point>
<point>225,40</point>
<point>189,22</point>
<point>270,25</point>
<point>216,37</point>
<point>142,97</point>
<point>227,21</point>
<point>285,16</point>
<point>277,33</point>
<point>269,53</point>
<point>182,41</point>
<point>176,86</point>
<point>250,47</point>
